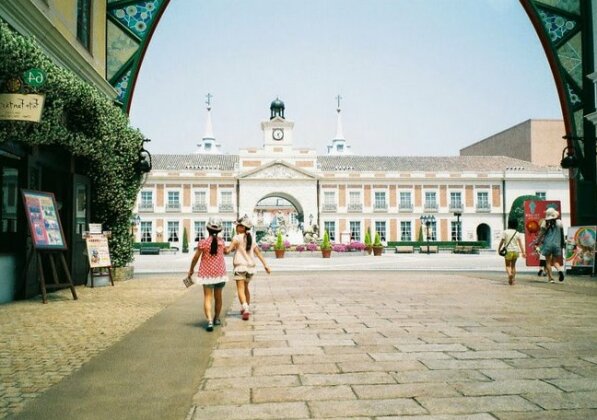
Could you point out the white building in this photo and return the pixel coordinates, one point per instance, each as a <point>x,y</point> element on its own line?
<point>343,193</point>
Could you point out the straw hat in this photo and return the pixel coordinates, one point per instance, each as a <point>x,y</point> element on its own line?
<point>215,224</point>
<point>245,221</point>
<point>551,214</point>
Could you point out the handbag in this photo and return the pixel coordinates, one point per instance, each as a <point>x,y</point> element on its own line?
<point>502,251</point>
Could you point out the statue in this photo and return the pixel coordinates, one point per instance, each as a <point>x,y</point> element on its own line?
<point>311,234</point>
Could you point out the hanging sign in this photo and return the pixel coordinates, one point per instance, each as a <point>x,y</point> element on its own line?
<point>35,78</point>
<point>44,221</point>
<point>19,107</point>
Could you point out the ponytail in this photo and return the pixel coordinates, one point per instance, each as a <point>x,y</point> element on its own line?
<point>249,240</point>
<point>213,250</point>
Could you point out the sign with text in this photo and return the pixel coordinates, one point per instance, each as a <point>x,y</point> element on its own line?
<point>534,213</point>
<point>18,107</point>
<point>44,221</point>
<point>98,251</point>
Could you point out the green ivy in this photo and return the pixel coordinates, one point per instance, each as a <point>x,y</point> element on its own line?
<point>84,121</point>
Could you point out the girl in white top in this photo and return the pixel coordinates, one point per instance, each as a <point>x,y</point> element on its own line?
<point>244,262</point>
<point>511,240</point>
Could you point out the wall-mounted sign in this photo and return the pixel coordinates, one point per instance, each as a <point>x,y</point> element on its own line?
<point>580,246</point>
<point>14,106</point>
<point>35,78</point>
<point>44,221</point>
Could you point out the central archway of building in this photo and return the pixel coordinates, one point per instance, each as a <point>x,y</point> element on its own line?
<point>279,212</point>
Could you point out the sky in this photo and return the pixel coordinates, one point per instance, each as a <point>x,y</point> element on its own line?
<point>417,77</point>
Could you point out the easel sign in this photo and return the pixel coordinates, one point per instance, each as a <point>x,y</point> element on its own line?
<point>44,221</point>
<point>48,240</point>
<point>98,251</point>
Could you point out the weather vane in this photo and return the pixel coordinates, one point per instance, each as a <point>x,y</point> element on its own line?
<point>338,98</point>
<point>208,102</point>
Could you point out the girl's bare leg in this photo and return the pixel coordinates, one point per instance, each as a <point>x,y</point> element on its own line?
<point>208,294</point>
<point>240,289</point>
<point>218,298</point>
<point>247,292</point>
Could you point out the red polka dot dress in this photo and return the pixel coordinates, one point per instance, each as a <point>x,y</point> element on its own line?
<point>212,268</point>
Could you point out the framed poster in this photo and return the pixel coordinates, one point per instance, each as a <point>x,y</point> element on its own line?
<point>44,221</point>
<point>98,251</point>
<point>580,246</point>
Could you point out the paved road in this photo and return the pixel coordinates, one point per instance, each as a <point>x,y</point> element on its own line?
<point>372,344</point>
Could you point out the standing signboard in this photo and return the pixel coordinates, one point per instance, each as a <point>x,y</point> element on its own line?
<point>580,247</point>
<point>534,213</point>
<point>98,253</point>
<point>48,240</point>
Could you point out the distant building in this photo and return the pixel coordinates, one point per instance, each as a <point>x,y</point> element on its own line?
<point>341,193</point>
<point>536,141</point>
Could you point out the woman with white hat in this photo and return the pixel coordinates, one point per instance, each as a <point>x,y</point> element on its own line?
<point>551,239</point>
<point>212,271</point>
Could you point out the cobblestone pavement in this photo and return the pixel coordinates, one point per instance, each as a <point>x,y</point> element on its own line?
<point>384,345</point>
<point>41,344</point>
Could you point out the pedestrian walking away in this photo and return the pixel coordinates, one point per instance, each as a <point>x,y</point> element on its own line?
<point>212,271</point>
<point>551,241</point>
<point>245,251</point>
<point>513,246</point>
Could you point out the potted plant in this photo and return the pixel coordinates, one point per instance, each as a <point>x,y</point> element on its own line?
<point>368,242</point>
<point>326,246</point>
<point>377,245</point>
<point>279,247</point>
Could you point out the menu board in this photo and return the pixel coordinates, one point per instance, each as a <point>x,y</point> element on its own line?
<point>44,220</point>
<point>98,251</point>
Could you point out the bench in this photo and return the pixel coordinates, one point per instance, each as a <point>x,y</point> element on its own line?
<point>405,249</point>
<point>462,249</point>
<point>169,250</point>
<point>433,249</point>
<point>149,251</point>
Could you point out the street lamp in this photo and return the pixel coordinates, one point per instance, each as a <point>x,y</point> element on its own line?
<point>458,227</point>
<point>427,220</point>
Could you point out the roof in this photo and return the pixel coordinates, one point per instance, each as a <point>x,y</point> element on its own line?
<point>330,163</point>
<point>194,162</point>
<point>423,163</point>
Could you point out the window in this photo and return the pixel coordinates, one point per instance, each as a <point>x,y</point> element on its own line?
<point>84,23</point>
<point>430,200</point>
<point>431,233</point>
<point>355,231</point>
<point>199,231</point>
<point>200,201</point>
<point>483,200</point>
<point>226,201</point>
<point>329,200</point>
<point>456,235</point>
<point>380,200</point>
<point>455,200</point>
<point>541,194</point>
<point>354,201</point>
<point>146,202</point>
<point>405,201</point>
<point>173,200</point>
<point>207,146</point>
<point>331,228</point>
<point>405,231</point>
<point>227,231</point>
<point>340,147</point>
<point>380,227</point>
<point>146,230</point>
<point>172,231</point>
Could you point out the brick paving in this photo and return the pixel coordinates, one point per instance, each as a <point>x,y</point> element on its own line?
<point>41,344</point>
<point>359,345</point>
<point>385,345</point>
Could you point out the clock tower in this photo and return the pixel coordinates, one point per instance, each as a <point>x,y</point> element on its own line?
<point>277,131</point>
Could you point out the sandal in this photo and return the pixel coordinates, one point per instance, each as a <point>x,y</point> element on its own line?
<point>210,326</point>
<point>217,321</point>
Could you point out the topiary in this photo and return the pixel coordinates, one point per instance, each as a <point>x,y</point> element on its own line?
<point>326,244</point>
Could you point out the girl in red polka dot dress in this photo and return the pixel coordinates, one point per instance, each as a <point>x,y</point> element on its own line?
<point>212,271</point>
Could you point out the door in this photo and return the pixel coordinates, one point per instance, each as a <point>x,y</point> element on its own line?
<point>80,222</point>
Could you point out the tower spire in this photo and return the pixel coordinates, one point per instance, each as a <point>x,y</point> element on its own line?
<point>208,142</point>
<point>339,133</point>
<point>209,131</point>
<point>339,146</point>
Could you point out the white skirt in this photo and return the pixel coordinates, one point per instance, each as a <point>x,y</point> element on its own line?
<point>212,280</point>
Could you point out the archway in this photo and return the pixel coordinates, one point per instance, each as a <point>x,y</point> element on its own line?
<point>565,29</point>
<point>279,211</point>
<point>484,233</point>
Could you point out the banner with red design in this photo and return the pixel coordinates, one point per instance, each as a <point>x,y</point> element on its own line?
<point>534,213</point>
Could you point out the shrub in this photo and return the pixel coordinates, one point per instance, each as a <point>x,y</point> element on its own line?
<point>279,245</point>
<point>368,238</point>
<point>356,246</point>
<point>300,248</point>
<point>265,246</point>
<point>339,248</point>
<point>286,244</point>
<point>377,241</point>
<point>325,244</point>
<point>311,247</point>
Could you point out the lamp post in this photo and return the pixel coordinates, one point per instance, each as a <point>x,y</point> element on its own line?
<point>427,220</point>
<point>458,227</point>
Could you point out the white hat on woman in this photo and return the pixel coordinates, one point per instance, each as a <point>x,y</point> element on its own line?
<point>551,214</point>
<point>245,221</point>
<point>215,224</point>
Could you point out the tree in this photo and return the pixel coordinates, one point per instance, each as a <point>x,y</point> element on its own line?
<point>185,240</point>
<point>377,241</point>
<point>368,238</point>
<point>325,244</point>
<point>517,210</point>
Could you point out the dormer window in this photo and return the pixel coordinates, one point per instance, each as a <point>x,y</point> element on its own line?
<point>340,147</point>
<point>207,146</point>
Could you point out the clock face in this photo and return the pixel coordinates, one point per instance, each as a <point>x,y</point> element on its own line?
<point>278,134</point>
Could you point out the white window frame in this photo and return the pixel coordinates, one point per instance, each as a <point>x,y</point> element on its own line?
<point>144,231</point>
<point>403,225</point>
<point>169,231</point>
<point>357,235</point>
<point>379,203</point>
<point>332,231</point>
<point>383,234</point>
<point>200,233</point>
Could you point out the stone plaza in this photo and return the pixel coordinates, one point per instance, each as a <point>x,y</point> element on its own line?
<point>375,343</point>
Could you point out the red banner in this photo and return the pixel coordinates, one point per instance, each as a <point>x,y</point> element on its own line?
<point>534,213</point>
